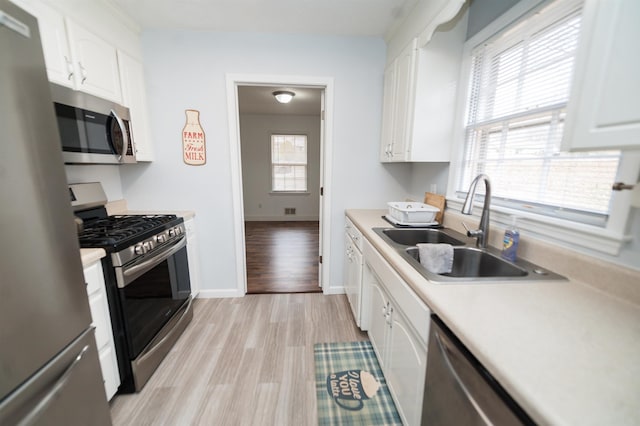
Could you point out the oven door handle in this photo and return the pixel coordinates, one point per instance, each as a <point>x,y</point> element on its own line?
<point>131,273</point>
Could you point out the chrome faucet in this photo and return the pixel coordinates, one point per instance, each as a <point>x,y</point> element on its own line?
<point>482,233</point>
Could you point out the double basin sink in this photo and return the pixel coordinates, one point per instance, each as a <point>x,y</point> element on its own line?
<point>470,264</point>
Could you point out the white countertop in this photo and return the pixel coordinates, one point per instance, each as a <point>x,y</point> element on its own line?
<point>568,353</point>
<point>91,255</point>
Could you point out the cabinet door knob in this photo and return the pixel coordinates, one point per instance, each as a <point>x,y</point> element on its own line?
<point>83,72</point>
<point>69,68</point>
<point>620,186</point>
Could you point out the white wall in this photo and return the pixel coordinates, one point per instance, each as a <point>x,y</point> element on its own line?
<point>187,70</point>
<point>108,175</point>
<point>255,135</point>
<point>423,175</point>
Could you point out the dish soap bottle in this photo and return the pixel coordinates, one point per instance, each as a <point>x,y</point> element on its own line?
<point>510,241</point>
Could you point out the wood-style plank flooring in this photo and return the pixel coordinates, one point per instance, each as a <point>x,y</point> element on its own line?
<point>282,257</point>
<point>242,361</point>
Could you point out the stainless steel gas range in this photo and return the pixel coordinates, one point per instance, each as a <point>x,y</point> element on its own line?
<point>147,280</point>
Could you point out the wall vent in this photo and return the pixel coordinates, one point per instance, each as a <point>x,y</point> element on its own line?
<point>289,210</point>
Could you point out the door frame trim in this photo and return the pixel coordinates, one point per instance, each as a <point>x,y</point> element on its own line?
<point>232,83</point>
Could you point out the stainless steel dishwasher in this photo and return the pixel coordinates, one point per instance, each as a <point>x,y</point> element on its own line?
<point>459,390</point>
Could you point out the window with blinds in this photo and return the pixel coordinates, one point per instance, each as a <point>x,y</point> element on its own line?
<point>288,163</point>
<point>519,88</point>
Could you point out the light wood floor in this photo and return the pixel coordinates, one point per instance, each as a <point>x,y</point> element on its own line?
<point>282,257</point>
<point>242,361</point>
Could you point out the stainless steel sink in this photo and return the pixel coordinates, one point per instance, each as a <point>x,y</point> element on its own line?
<point>414,236</point>
<point>470,264</point>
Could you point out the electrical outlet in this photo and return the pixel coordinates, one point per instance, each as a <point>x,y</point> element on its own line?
<point>289,210</point>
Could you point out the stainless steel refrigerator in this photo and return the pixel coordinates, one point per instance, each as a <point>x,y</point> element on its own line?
<point>49,370</point>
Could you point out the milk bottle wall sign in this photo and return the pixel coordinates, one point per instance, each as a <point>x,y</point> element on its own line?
<point>193,141</point>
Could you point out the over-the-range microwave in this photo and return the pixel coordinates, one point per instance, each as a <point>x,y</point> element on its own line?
<point>92,130</point>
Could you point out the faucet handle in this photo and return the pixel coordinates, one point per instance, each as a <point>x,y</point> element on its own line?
<point>469,231</point>
<point>474,233</point>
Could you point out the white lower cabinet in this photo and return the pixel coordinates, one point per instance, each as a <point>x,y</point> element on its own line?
<point>101,320</point>
<point>353,274</point>
<point>378,306</point>
<point>192,256</point>
<point>398,330</point>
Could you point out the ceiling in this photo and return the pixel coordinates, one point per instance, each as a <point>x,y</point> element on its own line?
<point>326,17</point>
<point>260,100</point>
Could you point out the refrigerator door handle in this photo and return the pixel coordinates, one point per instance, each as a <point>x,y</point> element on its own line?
<point>15,25</point>
<point>42,405</point>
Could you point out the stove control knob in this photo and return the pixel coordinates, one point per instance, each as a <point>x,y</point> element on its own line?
<point>161,238</point>
<point>172,232</point>
<point>138,249</point>
<point>147,246</point>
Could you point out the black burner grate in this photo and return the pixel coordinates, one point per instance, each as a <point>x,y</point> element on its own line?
<point>115,230</point>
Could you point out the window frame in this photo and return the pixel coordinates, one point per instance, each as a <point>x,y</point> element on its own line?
<point>608,239</point>
<point>271,163</point>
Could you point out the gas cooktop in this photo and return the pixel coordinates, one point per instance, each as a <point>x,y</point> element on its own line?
<point>124,230</point>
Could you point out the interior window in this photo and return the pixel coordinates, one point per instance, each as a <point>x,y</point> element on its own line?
<point>519,87</point>
<point>288,163</point>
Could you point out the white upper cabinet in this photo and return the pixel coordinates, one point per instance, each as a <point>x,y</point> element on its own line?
<point>74,56</point>
<point>388,102</point>
<point>604,108</point>
<point>90,48</point>
<point>419,96</point>
<point>397,106</point>
<point>134,97</point>
<point>55,44</point>
<point>95,62</point>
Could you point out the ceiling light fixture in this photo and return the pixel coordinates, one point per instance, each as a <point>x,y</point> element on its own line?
<point>283,96</point>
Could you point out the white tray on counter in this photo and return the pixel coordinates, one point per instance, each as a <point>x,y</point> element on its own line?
<point>412,224</point>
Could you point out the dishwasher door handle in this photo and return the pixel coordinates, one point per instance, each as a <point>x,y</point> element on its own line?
<point>444,350</point>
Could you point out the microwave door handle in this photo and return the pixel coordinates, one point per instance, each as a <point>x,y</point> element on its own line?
<point>125,135</point>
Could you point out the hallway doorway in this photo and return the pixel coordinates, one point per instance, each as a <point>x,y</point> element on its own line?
<point>280,150</point>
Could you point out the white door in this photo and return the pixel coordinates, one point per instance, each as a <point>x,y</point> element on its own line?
<point>322,166</point>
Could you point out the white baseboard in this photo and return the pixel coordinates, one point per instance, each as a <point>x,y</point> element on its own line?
<point>217,294</point>
<point>292,218</point>
<point>333,290</point>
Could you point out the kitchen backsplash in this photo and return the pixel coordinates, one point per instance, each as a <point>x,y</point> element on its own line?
<point>108,175</point>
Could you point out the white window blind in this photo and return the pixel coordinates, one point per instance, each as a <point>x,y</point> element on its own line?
<point>519,89</point>
<point>288,163</point>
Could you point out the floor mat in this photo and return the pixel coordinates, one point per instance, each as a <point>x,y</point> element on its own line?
<point>350,387</point>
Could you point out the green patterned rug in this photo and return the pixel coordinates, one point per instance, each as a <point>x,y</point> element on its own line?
<point>350,387</point>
